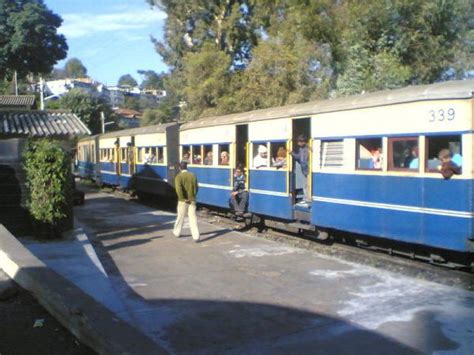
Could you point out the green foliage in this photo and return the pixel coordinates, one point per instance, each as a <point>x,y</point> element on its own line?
<point>29,42</point>
<point>49,181</point>
<point>75,69</point>
<point>127,79</point>
<point>88,107</point>
<point>151,80</point>
<point>132,103</point>
<point>234,56</point>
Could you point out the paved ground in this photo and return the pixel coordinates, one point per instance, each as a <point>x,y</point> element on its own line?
<point>18,335</point>
<point>237,293</point>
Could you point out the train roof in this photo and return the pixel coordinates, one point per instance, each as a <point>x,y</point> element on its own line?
<point>160,128</point>
<point>460,89</point>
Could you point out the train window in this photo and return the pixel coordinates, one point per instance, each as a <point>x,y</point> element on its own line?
<point>123,152</point>
<point>403,154</point>
<point>196,154</point>
<point>208,155</point>
<point>140,153</point>
<point>159,155</point>
<point>332,154</point>
<point>278,154</point>
<point>186,153</point>
<point>260,156</point>
<point>224,154</point>
<point>369,154</point>
<point>435,144</point>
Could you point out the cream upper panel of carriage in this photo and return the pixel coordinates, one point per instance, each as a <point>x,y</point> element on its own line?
<point>213,134</point>
<point>416,118</point>
<point>269,130</point>
<point>107,143</point>
<point>150,140</point>
<point>125,140</point>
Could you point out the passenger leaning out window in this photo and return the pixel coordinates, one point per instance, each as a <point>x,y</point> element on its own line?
<point>261,159</point>
<point>447,167</point>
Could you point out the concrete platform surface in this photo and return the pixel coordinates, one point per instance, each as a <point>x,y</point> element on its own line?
<point>236,293</point>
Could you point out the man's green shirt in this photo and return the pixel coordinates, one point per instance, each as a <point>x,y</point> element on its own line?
<point>186,186</point>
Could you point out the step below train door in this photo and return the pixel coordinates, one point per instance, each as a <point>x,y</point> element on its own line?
<point>300,174</point>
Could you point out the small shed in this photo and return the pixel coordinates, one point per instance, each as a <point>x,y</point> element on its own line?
<point>16,102</point>
<point>15,127</point>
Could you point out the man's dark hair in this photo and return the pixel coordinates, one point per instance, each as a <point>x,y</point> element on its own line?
<point>301,138</point>
<point>183,165</point>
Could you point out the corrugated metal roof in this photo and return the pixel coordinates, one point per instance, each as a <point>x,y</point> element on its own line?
<point>41,124</point>
<point>20,100</point>
<point>446,90</point>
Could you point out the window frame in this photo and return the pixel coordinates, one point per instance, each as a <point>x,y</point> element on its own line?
<point>390,164</point>
<point>426,157</point>
<point>357,154</point>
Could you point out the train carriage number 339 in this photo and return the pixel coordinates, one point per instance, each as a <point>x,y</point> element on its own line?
<point>442,115</point>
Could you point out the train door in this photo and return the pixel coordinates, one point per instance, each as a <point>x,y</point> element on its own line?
<point>241,148</point>
<point>300,176</point>
<point>131,159</point>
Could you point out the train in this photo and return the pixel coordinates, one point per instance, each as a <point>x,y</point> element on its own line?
<point>373,167</point>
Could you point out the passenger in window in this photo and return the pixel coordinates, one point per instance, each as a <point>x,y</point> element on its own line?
<point>239,195</point>
<point>412,161</point>
<point>455,149</point>
<point>447,167</point>
<point>261,159</point>
<point>280,159</point>
<point>186,157</point>
<point>376,162</point>
<point>224,158</point>
<point>208,159</point>
<point>301,155</point>
<point>197,159</point>
<point>147,156</point>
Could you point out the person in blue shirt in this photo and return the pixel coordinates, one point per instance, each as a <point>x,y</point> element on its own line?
<point>301,155</point>
<point>239,195</point>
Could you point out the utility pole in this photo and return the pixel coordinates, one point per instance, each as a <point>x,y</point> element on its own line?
<point>102,121</point>
<point>15,79</point>
<point>41,93</point>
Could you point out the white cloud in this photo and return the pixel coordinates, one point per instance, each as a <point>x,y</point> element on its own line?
<point>86,24</point>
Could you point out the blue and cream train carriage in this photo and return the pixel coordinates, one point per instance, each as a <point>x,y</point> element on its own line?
<point>86,157</point>
<point>373,164</point>
<point>402,197</point>
<point>141,159</point>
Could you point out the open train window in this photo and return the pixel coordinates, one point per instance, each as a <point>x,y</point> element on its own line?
<point>159,155</point>
<point>435,144</point>
<point>196,154</point>
<point>186,153</point>
<point>123,152</point>
<point>369,154</point>
<point>208,157</point>
<point>403,154</point>
<point>224,154</point>
<point>278,154</point>
<point>260,157</point>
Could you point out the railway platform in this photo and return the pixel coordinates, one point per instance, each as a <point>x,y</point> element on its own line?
<point>236,293</point>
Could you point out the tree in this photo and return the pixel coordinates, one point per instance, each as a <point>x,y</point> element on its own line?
<point>88,107</point>
<point>127,79</point>
<point>75,69</point>
<point>132,103</point>
<point>191,25</point>
<point>151,80</point>
<point>29,42</point>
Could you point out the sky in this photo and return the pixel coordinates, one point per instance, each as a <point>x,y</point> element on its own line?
<point>111,37</point>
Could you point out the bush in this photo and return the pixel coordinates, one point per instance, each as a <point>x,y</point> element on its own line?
<point>49,180</point>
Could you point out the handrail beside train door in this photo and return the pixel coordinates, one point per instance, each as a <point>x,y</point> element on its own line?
<point>310,169</point>
<point>247,164</point>
<point>289,165</point>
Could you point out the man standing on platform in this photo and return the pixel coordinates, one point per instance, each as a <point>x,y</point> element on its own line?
<point>186,186</point>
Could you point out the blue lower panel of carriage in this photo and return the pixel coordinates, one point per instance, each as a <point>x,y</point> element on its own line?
<point>125,181</point>
<point>215,185</point>
<point>86,169</point>
<point>107,174</point>
<point>427,211</point>
<point>147,171</point>
<point>268,194</point>
<point>124,168</point>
